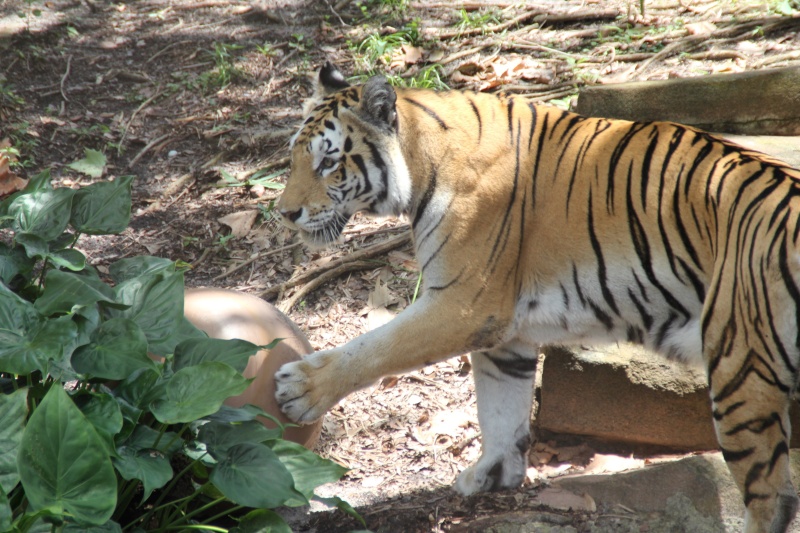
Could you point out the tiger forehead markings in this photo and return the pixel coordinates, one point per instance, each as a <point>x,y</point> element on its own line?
<point>533,225</point>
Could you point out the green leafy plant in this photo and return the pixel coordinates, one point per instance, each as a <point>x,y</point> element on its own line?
<point>378,48</point>
<point>225,69</point>
<point>111,402</point>
<point>476,19</point>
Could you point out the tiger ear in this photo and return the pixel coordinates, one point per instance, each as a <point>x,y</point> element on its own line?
<point>329,80</point>
<point>378,102</point>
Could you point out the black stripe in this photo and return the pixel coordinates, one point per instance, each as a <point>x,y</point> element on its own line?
<point>646,164</point>
<point>642,247</point>
<point>510,113</point>
<point>430,113</point>
<point>426,197</point>
<point>448,284</point>
<point>435,252</point>
<point>478,117</point>
<point>731,456</point>
<point>601,263</point>
<point>647,319</point>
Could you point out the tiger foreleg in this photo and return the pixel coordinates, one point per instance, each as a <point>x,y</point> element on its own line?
<point>504,379</point>
<point>428,331</point>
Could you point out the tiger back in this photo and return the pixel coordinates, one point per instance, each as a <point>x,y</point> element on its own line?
<point>532,226</point>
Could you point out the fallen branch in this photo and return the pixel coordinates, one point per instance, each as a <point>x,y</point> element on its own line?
<point>147,148</point>
<point>260,255</point>
<point>286,305</point>
<point>365,253</point>
<point>133,116</point>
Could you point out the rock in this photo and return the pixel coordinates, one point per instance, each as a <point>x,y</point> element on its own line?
<point>623,393</point>
<point>227,314</point>
<point>785,148</point>
<point>762,102</point>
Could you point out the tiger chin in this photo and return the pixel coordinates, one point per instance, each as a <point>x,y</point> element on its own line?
<point>534,226</point>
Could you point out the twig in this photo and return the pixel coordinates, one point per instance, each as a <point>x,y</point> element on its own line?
<point>494,28</point>
<point>286,305</point>
<point>201,5</point>
<point>333,10</point>
<point>168,47</point>
<point>133,115</point>
<point>144,150</point>
<point>256,257</point>
<point>64,78</point>
<point>365,253</point>
<point>464,53</point>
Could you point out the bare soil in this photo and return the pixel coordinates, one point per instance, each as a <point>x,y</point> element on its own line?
<point>184,94</point>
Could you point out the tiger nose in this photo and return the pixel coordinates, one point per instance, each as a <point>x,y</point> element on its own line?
<point>290,215</point>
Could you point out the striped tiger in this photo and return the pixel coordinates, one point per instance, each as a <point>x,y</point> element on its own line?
<point>533,225</point>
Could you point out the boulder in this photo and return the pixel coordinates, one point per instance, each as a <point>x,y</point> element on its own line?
<point>625,394</point>
<point>761,102</point>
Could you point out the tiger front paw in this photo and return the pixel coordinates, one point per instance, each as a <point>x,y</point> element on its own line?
<point>299,390</point>
<point>492,474</point>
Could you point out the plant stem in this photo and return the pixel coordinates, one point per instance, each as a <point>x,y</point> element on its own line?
<point>168,489</point>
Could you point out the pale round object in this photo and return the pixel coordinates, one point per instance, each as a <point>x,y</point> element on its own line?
<point>227,314</point>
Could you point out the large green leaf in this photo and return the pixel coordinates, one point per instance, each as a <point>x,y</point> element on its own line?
<point>156,304</point>
<point>308,469</point>
<point>241,414</point>
<point>103,208</point>
<point>151,467</point>
<point>64,290</point>
<point>92,163</point>
<point>138,389</point>
<point>63,464</point>
<point>44,213</point>
<point>27,341</point>
<point>16,317</point>
<point>38,182</point>
<point>252,475</point>
<point>117,348</point>
<point>139,265</point>
<point>219,437</point>
<point>104,413</point>
<point>108,527</point>
<point>146,456</point>
<point>197,391</point>
<point>34,245</point>
<point>69,258</point>
<point>13,261</point>
<point>13,411</point>
<point>5,512</point>
<point>261,521</point>
<point>234,352</point>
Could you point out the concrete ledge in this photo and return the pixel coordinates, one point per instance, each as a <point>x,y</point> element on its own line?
<point>762,102</point>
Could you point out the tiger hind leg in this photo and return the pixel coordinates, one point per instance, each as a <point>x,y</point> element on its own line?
<point>504,380</point>
<point>751,416</point>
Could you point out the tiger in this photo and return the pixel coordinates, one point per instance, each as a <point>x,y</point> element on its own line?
<point>533,226</point>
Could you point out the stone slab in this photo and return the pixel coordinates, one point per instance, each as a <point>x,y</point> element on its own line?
<point>623,393</point>
<point>762,102</point>
<point>784,147</point>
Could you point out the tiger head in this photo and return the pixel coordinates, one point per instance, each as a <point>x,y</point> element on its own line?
<point>345,158</point>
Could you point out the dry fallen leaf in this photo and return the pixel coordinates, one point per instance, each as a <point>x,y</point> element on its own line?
<point>240,222</point>
<point>700,28</point>
<point>9,182</point>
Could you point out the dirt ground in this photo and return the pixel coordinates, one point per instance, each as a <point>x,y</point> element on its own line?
<point>197,100</point>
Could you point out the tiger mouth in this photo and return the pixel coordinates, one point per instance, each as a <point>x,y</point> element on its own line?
<point>326,234</point>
